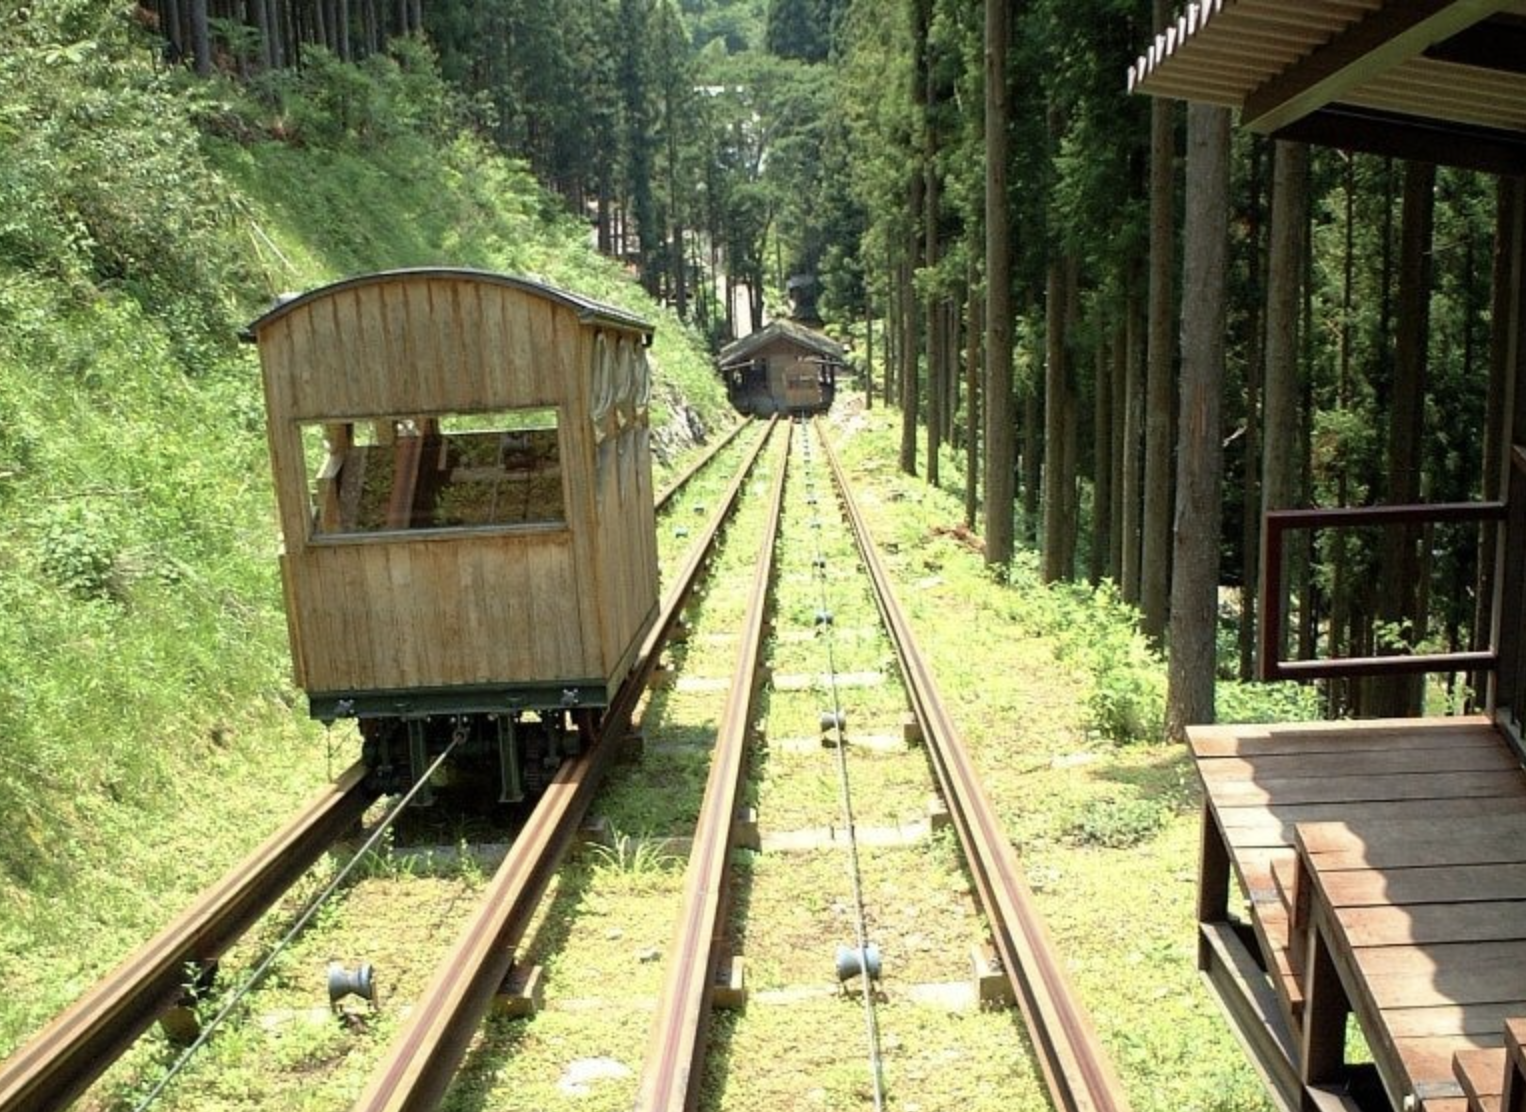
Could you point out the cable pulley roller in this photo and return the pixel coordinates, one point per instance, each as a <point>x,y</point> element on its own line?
<point>853,961</point>
<point>343,982</point>
<point>255,978</point>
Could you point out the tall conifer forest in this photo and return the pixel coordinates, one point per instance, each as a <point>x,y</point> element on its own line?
<point>721,148</point>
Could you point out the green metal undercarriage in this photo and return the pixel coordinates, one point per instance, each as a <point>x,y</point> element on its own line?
<point>511,736</point>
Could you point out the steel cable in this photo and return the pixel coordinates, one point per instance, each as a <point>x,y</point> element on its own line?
<point>855,872</point>
<point>313,907</point>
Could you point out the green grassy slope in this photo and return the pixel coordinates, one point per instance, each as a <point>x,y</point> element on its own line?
<point>149,734</point>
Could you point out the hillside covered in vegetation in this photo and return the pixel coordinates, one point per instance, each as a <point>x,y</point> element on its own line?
<point>145,217</point>
<point>160,182</point>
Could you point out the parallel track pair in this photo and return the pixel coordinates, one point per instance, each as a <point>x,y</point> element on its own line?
<point>1078,1074</point>
<point>418,1069</point>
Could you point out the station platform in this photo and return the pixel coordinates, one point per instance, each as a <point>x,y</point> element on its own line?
<point>1376,871</point>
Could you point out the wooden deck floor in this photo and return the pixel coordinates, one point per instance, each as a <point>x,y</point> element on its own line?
<point>1383,870</point>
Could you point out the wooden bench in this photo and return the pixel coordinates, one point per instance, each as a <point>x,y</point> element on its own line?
<point>1419,929</point>
<point>1263,787</point>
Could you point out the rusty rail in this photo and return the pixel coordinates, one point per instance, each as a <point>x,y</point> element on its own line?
<point>1079,1076</point>
<point>426,1053</point>
<point>675,1050</point>
<point>71,1052</point>
<point>699,465</point>
<point>1278,522</point>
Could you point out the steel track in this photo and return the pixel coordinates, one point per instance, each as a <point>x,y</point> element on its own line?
<point>63,1059</point>
<point>1077,1071</point>
<point>425,1055</point>
<point>57,1065</point>
<point>675,1051</point>
<point>682,480</point>
<point>52,1069</point>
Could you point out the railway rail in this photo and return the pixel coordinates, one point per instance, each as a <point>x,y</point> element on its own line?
<point>57,1065</point>
<point>674,1055</point>
<point>1076,1070</point>
<point>423,1058</point>
<point>418,1067</point>
<point>1079,1075</point>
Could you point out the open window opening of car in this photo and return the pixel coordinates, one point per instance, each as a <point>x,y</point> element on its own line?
<point>412,472</point>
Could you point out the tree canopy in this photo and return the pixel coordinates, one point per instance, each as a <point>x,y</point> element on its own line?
<point>722,146</point>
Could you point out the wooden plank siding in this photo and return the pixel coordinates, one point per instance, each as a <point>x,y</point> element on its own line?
<point>441,608</point>
<point>398,347</point>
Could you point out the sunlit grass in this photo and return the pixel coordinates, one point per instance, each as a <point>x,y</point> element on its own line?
<point>149,731</point>
<point>1107,833</point>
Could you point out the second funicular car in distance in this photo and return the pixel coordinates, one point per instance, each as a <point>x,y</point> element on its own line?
<point>783,368</point>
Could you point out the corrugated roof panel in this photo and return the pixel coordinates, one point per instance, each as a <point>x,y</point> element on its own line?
<point>1445,90</point>
<point>1274,54</point>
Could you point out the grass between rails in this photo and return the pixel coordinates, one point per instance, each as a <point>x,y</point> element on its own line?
<point>1107,833</point>
<point>951,1062</point>
<point>802,1043</point>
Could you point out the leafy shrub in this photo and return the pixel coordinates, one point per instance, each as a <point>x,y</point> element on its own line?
<point>77,549</point>
<point>18,448</point>
<point>1118,823</point>
<point>1265,702</point>
<point>1093,627</point>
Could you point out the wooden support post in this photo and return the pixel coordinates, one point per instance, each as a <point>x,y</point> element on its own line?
<point>911,729</point>
<point>1324,1015</point>
<point>744,830</point>
<point>633,746</point>
<point>993,987</point>
<point>1298,915</point>
<point>1513,1096</point>
<point>596,831</point>
<point>1213,872</point>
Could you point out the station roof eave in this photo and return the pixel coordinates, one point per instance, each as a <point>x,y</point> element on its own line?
<point>1435,80</point>
<point>797,335</point>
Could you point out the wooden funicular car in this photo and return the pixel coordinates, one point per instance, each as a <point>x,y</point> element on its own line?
<point>463,477</point>
<point>784,368</point>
